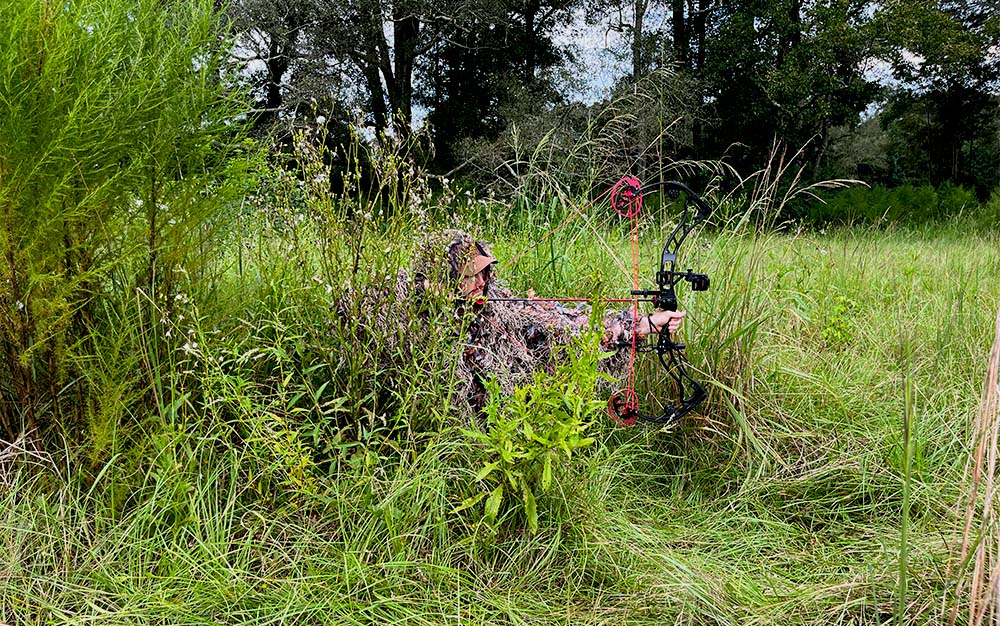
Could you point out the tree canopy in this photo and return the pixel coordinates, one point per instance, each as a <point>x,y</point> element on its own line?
<point>811,74</point>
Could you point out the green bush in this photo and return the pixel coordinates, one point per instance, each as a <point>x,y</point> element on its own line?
<point>115,125</point>
<point>535,429</point>
<point>881,206</point>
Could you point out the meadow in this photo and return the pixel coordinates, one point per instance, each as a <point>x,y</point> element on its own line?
<point>259,473</point>
<point>201,423</point>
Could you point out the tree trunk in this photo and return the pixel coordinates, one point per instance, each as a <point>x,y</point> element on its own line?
<point>698,23</point>
<point>792,37</point>
<point>276,65</point>
<point>638,63</point>
<point>530,58</point>
<point>383,61</point>
<point>376,98</point>
<point>679,25</point>
<point>824,145</point>
<point>405,30</point>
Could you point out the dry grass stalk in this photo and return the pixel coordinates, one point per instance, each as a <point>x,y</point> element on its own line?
<point>984,580</point>
<point>25,450</point>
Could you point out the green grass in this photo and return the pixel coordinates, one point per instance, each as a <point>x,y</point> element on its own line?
<point>784,502</point>
<point>226,417</point>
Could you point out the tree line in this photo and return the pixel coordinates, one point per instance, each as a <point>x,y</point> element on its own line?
<point>892,92</point>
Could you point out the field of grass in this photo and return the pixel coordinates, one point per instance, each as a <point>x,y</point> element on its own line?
<point>214,411</point>
<point>789,499</point>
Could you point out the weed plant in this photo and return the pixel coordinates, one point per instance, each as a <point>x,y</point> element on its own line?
<point>115,139</point>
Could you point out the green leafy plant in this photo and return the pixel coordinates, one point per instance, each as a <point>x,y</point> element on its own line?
<point>534,430</point>
<point>117,124</point>
<point>839,323</point>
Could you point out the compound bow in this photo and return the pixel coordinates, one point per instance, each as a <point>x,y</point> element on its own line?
<point>626,199</point>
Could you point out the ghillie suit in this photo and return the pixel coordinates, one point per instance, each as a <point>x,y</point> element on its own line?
<point>506,342</point>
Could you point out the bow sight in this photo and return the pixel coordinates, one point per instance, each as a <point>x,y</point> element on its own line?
<point>665,299</point>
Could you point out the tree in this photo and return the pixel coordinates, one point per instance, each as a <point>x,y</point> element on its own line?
<point>636,22</point>
<point>786,69</point>
<point>272,42</point>
<point>943,116</point>
<point>298,51</point>
<point>493,59</point>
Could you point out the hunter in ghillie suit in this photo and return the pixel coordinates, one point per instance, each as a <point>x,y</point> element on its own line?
<point>451,285</point>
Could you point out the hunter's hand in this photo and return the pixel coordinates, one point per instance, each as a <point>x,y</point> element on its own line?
<point>661,320</point>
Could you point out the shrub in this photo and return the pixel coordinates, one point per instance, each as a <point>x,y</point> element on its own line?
<point>535,429</point>
<point>115,122</point>
<point>880,206</point>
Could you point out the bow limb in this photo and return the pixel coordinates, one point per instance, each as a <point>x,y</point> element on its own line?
<point>689,392</point>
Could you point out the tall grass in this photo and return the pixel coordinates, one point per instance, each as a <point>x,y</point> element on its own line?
<point>254,500</point>
<point>976,563</point>
<point>271,433</point>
